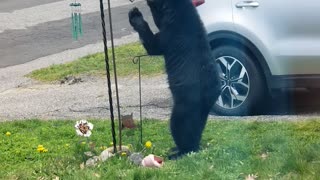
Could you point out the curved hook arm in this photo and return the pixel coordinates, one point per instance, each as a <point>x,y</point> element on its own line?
<point>136,59</point>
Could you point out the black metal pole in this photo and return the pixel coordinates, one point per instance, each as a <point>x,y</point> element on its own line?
<point>140,99</point>
<point>137,60</point>
<point>104,33</point>
<point>115,75</point>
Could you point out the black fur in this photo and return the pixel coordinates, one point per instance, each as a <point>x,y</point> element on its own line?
<point>192,75</point>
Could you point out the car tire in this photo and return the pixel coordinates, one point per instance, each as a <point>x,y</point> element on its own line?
<point>243,86</point>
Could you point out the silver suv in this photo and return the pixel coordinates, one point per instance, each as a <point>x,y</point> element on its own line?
<point>261,46</point>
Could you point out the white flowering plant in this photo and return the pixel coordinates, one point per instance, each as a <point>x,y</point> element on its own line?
<point>83,128</point>
<point>85,147</point>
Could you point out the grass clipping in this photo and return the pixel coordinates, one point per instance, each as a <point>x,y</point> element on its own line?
<point>95,65</point>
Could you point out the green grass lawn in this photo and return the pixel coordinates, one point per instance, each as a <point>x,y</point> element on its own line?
<point>95,65</point>
<point>231,150</point>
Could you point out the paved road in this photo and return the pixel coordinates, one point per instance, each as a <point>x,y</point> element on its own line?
<point>12,5</point>
<point>24,45</point>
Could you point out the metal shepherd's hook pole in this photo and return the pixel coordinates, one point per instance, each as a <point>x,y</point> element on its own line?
<point>137,60</point>
<point>108,74</point>
<point>115,75</point>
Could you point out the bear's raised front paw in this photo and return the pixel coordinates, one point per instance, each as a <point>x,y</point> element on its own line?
<point>135,12</point>
<point>135,17</point>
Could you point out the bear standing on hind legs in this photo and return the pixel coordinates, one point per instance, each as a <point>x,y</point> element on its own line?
<point>192,74</point>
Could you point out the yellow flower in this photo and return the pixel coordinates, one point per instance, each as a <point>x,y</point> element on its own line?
<point>123,154</point>
<point>8,133</point>
<point>103,147</point>
<point>130,146</point>
<point>148,144</point>
<point>41,149</point>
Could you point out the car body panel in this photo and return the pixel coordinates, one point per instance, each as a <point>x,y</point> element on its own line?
<point>286,32</point>
<point>280,37</point>
<point>216,19</point>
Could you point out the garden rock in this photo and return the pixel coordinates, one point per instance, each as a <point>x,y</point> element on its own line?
<point>92,161</point>
<point>88,154</point>
<point>105,155</point>
<point>125,149</point>
<point>136,158</point>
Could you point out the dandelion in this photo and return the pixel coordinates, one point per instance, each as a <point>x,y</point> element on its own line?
<point>41,149</point>
<point>123,154</point>
<point>130,147</point>
<point>148,144</point>
<point>8,133</point>
<point>103,148</point>
<point>83,128</point>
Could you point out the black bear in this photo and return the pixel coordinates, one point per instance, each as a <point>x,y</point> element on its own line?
<point>192,74</point>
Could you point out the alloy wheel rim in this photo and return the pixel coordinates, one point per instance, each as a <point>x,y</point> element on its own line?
<point>235,82</point>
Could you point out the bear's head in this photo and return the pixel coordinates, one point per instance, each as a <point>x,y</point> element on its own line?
<point>165,11</point>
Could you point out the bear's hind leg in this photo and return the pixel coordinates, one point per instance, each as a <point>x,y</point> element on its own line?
<point>185,125</point>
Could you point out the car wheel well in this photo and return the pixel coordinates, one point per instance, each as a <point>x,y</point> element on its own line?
<point>233,39</point>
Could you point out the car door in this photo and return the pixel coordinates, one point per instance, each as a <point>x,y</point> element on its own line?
<point>287,32</point>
